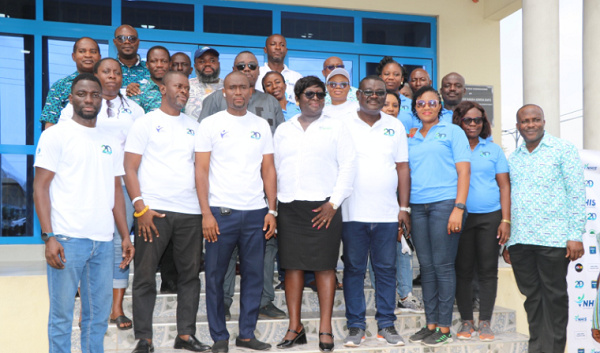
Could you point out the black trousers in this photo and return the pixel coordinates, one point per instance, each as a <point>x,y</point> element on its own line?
<point>541,274</point>
<point>186,232</point>
<point>478,249</point>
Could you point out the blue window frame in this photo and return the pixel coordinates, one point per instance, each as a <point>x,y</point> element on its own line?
<point>29,33</point>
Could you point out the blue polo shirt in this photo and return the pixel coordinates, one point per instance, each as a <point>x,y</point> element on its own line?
<point>432,162</point>
<point>405,114</point>
<point>487,160</point>
<point>291,109</point>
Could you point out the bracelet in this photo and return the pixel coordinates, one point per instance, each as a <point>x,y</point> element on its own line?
<point>141,213</point>
<point>136,200</point>
<point>505,221</point>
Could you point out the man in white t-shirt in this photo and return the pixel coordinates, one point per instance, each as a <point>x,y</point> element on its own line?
<point>276,50</point>
<point>373,214</point>
<point>234,172</point>
<point>78,198</point>
<point>159,176</point>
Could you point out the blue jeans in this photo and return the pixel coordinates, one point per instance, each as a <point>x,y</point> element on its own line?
<point>404,272</point>
<point>379,240</point>
<point>436,251</point>
<point>89,263</point>
<point>121,275</point>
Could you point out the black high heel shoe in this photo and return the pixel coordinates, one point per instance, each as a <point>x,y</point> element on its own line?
<point>299,339</point>
<point>325,347</point>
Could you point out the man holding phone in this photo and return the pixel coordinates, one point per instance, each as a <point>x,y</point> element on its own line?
<point>235,170</point>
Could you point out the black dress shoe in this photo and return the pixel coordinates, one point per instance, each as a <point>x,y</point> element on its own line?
<point>325,347</point>
<point>192,344</point>
<point>299,339</point>
<point>221,347</point>
<point>252,344</point>
<point>143,346</point>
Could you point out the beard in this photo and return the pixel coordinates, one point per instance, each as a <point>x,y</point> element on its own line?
<point>87,116</point>
<point>212,78</point>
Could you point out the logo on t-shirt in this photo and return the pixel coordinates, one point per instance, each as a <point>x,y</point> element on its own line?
<point>106,149</point>
<point>389,132</point>
<point>485,154</point>
<point>190,131</point>
<point>126,110</point>
<point>158,128</point>
<point>39,150</point>
<point>440,136</point>
<point>223,133</point>
<point>255,135</point>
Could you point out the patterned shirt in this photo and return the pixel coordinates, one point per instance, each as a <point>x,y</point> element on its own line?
<point>199,91</point>
<point>136,73</point>
<point>57,99</point>
<point>547,194</point>
<point>150,98</point>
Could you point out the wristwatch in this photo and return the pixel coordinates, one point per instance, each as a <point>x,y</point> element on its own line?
<point>273,212</point>
<point>460,206</point>
<point>335,207</point>
<point>405,209</point>
<point>46,236</point>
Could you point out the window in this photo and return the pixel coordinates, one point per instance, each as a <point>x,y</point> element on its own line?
<point>392,32</point>
<point>18,9</point>
<point>321,27</point>
<point>158,15</point>
<point>95,12</point>
<point>238,21</point>
<point>16,195</point>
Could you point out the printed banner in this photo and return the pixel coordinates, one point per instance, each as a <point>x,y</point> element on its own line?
<point>583,273</point>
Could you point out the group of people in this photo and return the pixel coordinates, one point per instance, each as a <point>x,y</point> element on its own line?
<point>271,167</point>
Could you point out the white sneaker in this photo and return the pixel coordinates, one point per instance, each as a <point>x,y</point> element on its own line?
<point>409,304</point>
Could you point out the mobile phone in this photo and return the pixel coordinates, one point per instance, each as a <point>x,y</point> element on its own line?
<point>225,211</point>
<point>407,237</point>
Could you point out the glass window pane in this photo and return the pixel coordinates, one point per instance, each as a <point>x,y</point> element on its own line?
<point>16,103</point>
<point>96,12</point>
<point>321,27</point>
<point>314,66</point>
<point>158,15</point>
<point>16,171</point>
<point>18,9</point>
<point>392,32</point>
<point>232,20</point>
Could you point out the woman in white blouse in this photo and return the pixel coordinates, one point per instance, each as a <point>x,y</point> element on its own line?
<point>315,162</point>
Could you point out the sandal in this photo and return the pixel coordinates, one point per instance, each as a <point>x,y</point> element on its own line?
<point>122,322</point>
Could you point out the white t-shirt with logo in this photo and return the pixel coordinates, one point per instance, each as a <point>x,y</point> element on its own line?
<point>166,172</point>
<point>378,149</point>
<point>237,145</point>
<point>82,192</point>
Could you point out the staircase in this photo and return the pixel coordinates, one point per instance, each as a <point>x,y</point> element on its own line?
<point>272,331</point>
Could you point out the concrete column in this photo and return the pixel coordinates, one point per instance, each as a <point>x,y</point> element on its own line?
<point>540,59</point>
<point>591,75</point>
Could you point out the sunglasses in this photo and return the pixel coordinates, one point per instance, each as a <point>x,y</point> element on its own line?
<point>332,67</point>
<point>123,39</point>
<point>469,121</point>
<point>242,66</point>
<point>369,93</point>
<point>311,95</point>
<point>341,85</point>
<point>421,103</point>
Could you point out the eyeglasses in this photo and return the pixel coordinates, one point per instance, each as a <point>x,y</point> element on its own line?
<point>341,85</point>
<point>432,103</point>
<point>123,39</point>
<point>242,66</point>
<point>369,93</point>
<point>332,67</point>
<point>311,95</point>
<point>469,121</point>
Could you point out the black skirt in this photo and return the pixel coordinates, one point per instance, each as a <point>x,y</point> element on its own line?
<point>302,247</point>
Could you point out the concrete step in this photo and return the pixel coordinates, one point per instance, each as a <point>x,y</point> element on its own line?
<point>272,331</point>
<point>505,343</point>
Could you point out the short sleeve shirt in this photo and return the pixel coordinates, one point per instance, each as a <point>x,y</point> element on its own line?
<point>487,160</point>
<point>236,145</point>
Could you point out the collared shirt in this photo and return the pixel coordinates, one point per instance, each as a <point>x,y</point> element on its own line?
<point>198,91</point>
<point>136,73</point>
<point>291,110</point>
<point>378,149</point>
<point>57,99</point>
<point>433,161</point>
<point>340,110</point>
<point>487,160</point>
<point>351,96</point>
<point>150,98</point>
<point>314,164</point>
<point>290,77</point>
<point>547,194</point>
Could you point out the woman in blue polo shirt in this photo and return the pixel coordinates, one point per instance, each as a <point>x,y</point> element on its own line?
<point>487,225</point>
<point>439,158</point>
